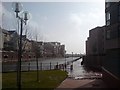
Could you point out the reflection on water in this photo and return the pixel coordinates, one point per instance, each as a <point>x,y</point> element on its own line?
<point>79,72</point>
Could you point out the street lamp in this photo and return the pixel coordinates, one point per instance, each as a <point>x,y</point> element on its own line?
<point>17,7</point>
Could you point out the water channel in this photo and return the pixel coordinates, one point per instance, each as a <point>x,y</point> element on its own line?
<point>78,71</point>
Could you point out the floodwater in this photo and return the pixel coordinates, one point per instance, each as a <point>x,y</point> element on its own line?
<point>79,72</point>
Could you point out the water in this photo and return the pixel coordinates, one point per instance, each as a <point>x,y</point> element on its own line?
<point>78,71</point>
<point>31,65</point>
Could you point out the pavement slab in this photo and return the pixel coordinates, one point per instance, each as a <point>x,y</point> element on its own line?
<point>84,83</point>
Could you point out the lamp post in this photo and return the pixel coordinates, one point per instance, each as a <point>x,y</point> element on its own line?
<point>17,8</point>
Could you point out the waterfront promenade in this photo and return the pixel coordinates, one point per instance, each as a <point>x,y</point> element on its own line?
<point>73,84</point>
<point>80,78</point>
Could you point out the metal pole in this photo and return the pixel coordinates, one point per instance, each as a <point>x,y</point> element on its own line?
<point>41,66</point>
<point>57,66</point>
<point>19,58</point>
<point>29,66</point>
<point>50,65</point>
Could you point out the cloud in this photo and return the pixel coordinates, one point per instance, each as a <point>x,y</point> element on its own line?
<point>87,20</point>
<point>59,0</point>
<point>80,23</point>
<point>45,18</point>
<point>34,29</point>
<point>0,14</point>
<point>8,19</point>
<point>75,20</point>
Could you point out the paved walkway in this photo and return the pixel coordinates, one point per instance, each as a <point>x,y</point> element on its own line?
<point>79,78</point>
<point>84,83</point>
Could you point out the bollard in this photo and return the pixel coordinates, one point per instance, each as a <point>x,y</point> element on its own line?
<point>57,66</point>
<point>71,67</point>
<point>50,65</point>
<point>29,66</point>
<point>65,66</point>
<point>41,66</point>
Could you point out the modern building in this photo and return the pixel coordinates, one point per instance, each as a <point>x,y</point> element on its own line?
<point>95,47</point>
<point>111,63</point>
<point>9,40</point>
<point>30,48</point>
<point>54,49</point>
<point>62,50</point>
<point>95,42</point>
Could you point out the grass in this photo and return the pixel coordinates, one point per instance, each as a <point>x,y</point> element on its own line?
<point>47,79</point>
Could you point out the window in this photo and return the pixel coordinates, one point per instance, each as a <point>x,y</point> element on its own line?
<point>119,13</point>
<point>108,18</point>
<point>108,34</point>
<point>108,15</point>
<point>108,22</point>
<point>119,18</point>
<point>107,4</point>
<point>119,31</point>
<point>119,10</point>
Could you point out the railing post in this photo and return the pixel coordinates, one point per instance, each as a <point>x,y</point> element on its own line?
<point>41,66</point>
<point>57,66</point>
<point>50,65</point>
<point>29,66</point>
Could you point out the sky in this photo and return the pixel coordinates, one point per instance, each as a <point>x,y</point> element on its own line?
<point>65,22</point>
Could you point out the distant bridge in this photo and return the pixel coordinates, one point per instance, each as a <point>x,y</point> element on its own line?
<point>75,55</point>
<point>68,62</point>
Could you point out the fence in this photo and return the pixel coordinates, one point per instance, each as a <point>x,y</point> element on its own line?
<point>28,66</point>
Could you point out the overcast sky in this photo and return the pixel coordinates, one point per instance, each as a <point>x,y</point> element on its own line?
<point>65,22</point>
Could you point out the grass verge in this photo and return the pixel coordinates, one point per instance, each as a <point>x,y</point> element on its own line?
<point>47,79</point>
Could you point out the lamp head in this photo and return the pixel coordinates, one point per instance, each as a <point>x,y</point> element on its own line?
<point>26,16</point>
<point>17,7</point>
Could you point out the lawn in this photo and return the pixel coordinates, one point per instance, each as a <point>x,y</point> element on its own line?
<point>47,79</point>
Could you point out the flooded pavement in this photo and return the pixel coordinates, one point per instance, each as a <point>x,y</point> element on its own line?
<point>79,72</point>
<point>80,78</point>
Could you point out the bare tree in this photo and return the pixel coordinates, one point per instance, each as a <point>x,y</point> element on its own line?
<point>36,50</point>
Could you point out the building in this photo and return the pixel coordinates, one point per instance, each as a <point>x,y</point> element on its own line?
<point>9,45</point>
<point>62,50</point>
<point>40,48</point>
<point>54,49</point>
<point>30,48</point>
<point>111,63</point>
<point>1,40</point>
<point>95,47</point>
<point>9,40</point>
<point>27,44</point>
<point>95,42</point>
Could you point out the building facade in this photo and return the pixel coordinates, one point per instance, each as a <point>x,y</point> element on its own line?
<point>111,63</point>
<point>95,47</point>
<point>95,42</point>
<point>30,48</point>
<point>54,49</point>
